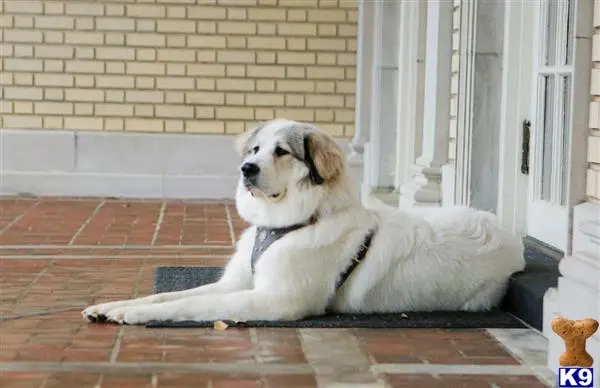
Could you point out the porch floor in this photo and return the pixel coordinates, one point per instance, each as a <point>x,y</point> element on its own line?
<point>60,254</point>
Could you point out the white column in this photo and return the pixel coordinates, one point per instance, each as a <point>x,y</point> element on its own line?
<point>380,152</point>
<point>425,189</point>
<point>411,59</point>
<point>364,76</point>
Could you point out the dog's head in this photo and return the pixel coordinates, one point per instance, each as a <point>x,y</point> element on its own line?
<point>287,168</point>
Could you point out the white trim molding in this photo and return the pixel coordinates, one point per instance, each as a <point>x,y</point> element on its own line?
<point>116,164</point>
<point>425,187</point>
<point>515,109</point>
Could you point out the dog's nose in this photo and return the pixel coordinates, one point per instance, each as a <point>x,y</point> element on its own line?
<point>250,169</point>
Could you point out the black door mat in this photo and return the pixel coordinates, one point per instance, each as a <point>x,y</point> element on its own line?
<point>180,278</point>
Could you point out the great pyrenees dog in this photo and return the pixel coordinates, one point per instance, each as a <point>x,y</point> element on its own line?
<point>313,248</point>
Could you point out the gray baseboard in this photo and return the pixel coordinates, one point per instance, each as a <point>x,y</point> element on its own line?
<point>130,165</point>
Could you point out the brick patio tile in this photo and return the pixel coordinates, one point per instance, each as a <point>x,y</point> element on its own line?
<point>296,381</point>
<point>129,380</point>
<point>500,381</point>
<point>182,380</point>
<point>69,379</point>
<point>116,223</point>
<point>198,345</point>
<point>461,381</point>
<point>40,285</point>
<point>434,346</point>
<point>236,381</point>
<point>195,224</point>
<point>126,379</point>
<point>50,222</point>
<point>279,346</point>
<point>411,381</point>
<point>22,379</point>
<point>11,209</point>
<point>56,221</point>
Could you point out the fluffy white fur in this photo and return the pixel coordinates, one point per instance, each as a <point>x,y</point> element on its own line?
<point>435,259</point>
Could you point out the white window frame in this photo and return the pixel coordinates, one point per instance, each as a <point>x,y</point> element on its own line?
<point>516,107</point>
<point>551,221</point>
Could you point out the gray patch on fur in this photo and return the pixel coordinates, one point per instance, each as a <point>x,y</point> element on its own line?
<point>253,136</point>
<point>294,137</point>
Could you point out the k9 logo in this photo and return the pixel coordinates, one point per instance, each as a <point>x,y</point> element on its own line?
<point>575,377</point>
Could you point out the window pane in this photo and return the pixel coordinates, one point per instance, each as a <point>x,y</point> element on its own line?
<point>570,7</point>
<point>546,137</point>
<point>551,33</point>
<point>566,136</point>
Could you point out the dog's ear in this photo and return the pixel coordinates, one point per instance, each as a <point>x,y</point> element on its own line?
<point>242,140</point>
<point>323,156</point>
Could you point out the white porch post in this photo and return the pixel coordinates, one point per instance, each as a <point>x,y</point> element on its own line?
<point>413,22</point>
<point>364,76</point>
<point>380,152</point>
<point>425,189</point>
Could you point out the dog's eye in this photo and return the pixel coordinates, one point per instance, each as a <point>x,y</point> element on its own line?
<point>280,151</point>
<point>255,149</point>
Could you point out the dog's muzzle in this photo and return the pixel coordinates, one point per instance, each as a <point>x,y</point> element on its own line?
<point>250,173</point>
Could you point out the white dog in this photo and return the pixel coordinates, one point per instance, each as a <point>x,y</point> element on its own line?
<point>313,248</point>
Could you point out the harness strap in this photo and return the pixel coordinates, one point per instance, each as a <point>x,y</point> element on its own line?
<point>356,260</point>
<point>265,237</point>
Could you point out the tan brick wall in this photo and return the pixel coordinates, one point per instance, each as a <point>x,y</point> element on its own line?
<point>593,151</point>
<point>203,66</point>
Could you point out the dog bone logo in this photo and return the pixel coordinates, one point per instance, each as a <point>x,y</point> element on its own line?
<point>575,333</point>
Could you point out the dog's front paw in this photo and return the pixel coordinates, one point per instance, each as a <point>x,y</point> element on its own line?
<point>136,315</point>
<point>97,313</point>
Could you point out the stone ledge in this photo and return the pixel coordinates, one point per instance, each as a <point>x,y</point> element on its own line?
<point>150,165</point>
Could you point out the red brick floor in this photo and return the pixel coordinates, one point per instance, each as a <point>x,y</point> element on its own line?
<point>61,254</point>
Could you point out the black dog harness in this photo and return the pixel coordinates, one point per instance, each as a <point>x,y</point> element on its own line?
<point>265,237</point>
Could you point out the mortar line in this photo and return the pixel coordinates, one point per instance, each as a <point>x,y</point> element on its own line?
<point>153,367</point>
<point>86,223</point>
<point>159,222</point>
<point>254,340</point>
<point>193,201</point>
<point>114,353</point>
<point>100,381</point>
<point>230,224</point>
<point>124,247</point>
<point>269,368</point>
<point>19,217</point>
<point>26,290</point>
<point>104,257</point>
<point>455,369</point>
<point>40,313</point>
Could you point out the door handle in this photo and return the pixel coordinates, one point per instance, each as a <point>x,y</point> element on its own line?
<point>525,147</point>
